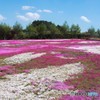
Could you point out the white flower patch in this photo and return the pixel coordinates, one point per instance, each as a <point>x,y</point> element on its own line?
<point>86,42</point>
<point>57,72</point>
<point>20,86</point>
<point>53,52</point>
<point>93,49</point>
<point>5,44</point>
<point>66,57</point>
<point>21,58</point>
<point>53,42</point>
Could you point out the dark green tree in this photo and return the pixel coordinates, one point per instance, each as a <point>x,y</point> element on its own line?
<point>42,30</point>
<point>46,29</point>
<point>5,31</point>
<point>91,32</point>
<point>17,31</point>
<point>98,33</point>
<point>64,29</point>
<point>75,31</point>
<point>31,32</point>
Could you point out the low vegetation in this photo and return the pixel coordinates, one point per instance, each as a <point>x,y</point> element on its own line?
<point>64,64</point>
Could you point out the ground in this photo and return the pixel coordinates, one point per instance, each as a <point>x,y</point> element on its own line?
<point>54,69</point>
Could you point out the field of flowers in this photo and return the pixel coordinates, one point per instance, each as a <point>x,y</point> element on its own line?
<point>57,69</point>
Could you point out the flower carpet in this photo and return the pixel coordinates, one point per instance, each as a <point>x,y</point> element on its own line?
<point>56,69</point>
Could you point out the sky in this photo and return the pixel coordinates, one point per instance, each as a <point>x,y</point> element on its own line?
<point>85,13</point>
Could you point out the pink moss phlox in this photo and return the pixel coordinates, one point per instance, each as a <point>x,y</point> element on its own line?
<point>6,70</point>
<point>2,74</point>
<point>33,82</point>
<point>58,85</point>
<point>68,97</point>
<point>26,71</point>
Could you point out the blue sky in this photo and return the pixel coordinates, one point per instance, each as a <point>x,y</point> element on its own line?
<point>86,13</point>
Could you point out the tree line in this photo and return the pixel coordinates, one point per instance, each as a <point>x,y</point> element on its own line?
<point>45,30</point>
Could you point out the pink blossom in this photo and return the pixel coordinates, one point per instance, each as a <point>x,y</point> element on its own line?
<point>58,85</point>
<point>26,71</point>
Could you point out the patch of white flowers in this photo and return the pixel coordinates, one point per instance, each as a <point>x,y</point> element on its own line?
<point>20,86</point>
<point>21,58</point>
<point>93,49</point>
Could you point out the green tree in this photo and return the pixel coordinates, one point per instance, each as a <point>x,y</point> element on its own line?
<point>31,32</point>
<point>17,31</point>
<point>5,31</point>
<point>55,33</point>
<point>42,29</point>
<point>91,32</point>
<point>98,33</point>
<point>46,29</point>
<point>64,29</point>
<point>75,31</point>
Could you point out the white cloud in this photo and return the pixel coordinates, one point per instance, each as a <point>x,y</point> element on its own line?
<point>2,18</point>
<point>23,18</point>
<point>27,7</point>
<point>85,19</point>
<point>28,16</point>
<point>45,10</point>
<point>32,15</point>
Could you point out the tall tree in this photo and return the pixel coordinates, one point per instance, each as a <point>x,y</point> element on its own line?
<point>64,29</point>
<point>91,32</point>
<point>98,33</point>
<point>5,31</point>
<point>31,32</point>
<point>75,31</point>
<point>17,31</point>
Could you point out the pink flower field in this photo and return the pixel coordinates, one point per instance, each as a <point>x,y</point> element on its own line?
<point>57,69</point>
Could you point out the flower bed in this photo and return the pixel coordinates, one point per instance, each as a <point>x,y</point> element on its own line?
<point>22,56</point>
